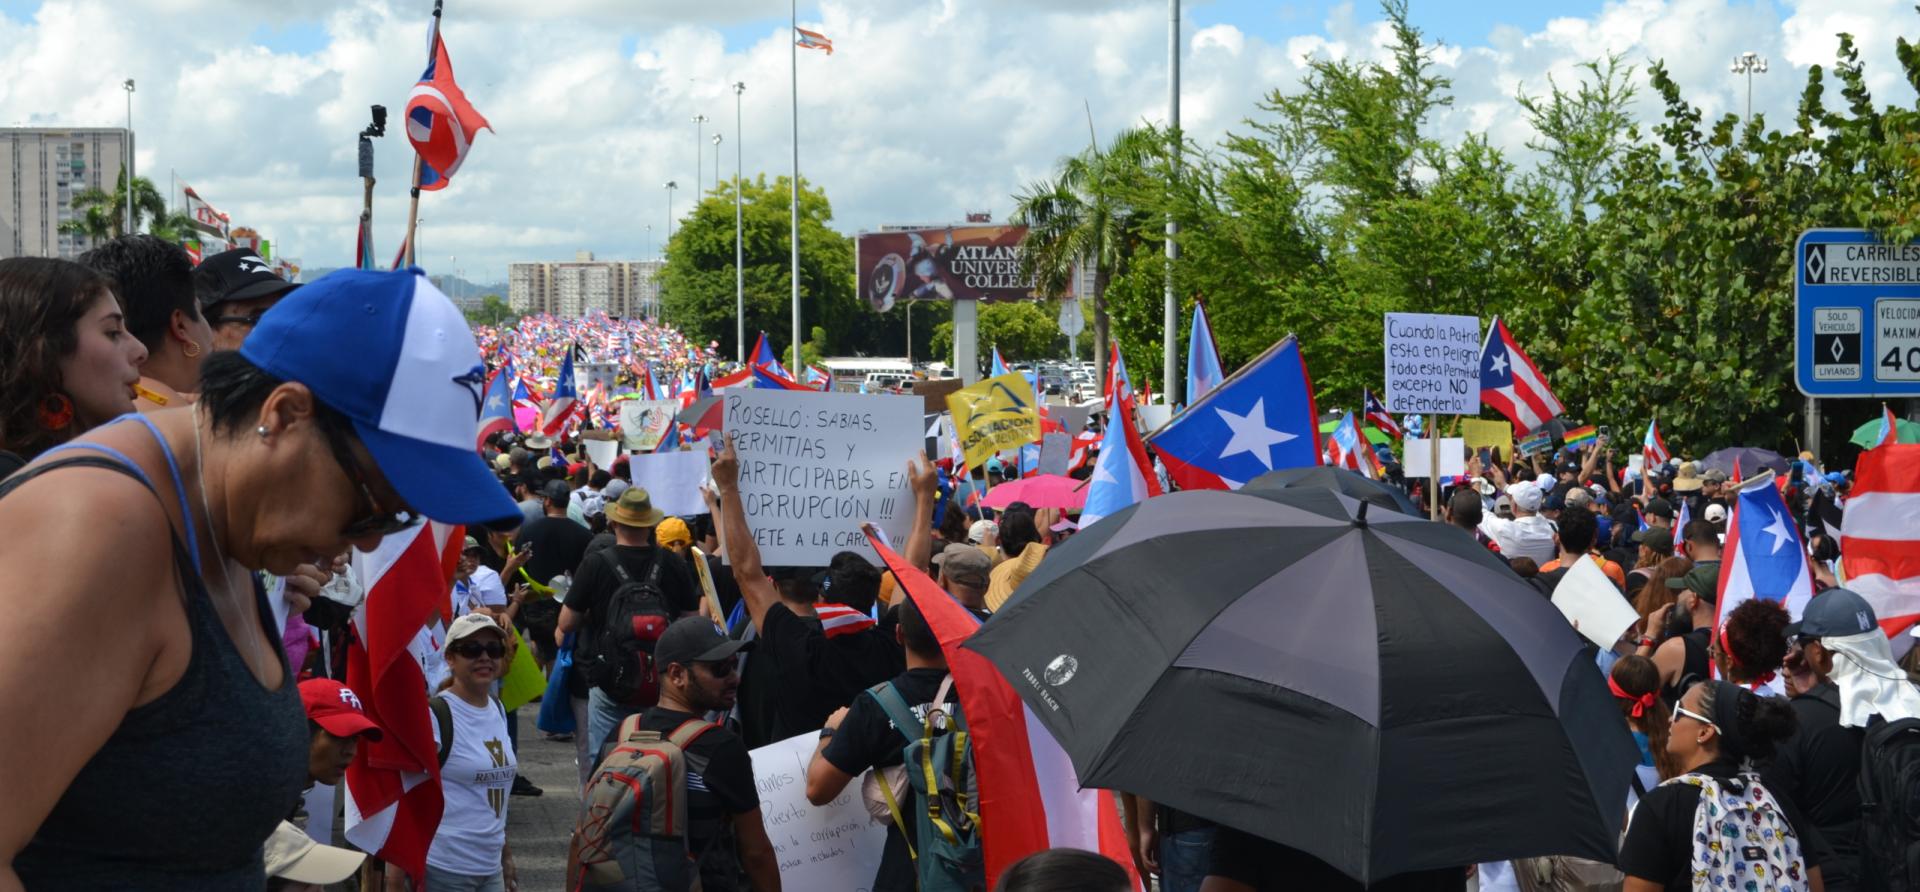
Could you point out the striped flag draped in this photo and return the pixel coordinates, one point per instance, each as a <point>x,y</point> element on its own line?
<point>1880,534</point>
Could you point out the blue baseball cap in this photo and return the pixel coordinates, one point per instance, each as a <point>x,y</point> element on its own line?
<point>1835,613</point>
<point>392,354</point>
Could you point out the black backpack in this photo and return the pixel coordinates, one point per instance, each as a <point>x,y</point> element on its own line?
<point>621,659</point>
<point>1890,804</point>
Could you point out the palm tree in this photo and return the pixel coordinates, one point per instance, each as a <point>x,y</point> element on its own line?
<point>104,214</point>
<point>173,226</point>
<point>1084,215</point>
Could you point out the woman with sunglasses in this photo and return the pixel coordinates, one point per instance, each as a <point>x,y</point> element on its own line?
<point>142,649</point>
<point>477,767</point>
<point>1716,733</point>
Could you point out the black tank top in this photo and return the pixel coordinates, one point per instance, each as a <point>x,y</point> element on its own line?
<point>1694,667</point>
<point>189,786</point>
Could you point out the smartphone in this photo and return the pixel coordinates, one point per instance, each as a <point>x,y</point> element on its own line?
<point>1486,457</point>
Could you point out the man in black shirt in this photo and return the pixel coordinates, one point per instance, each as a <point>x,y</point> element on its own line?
<point>860,737</point>
<point>632,520</point>
<point>725,833</point>
<point>557,545</point>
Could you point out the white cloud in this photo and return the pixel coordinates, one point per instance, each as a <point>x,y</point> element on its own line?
<point>926,109</point>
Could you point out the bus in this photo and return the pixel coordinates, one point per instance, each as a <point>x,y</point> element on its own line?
<point>875,372</point>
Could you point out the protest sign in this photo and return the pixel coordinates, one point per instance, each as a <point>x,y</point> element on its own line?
<point>1590,601</point>
<point>587,375</point>
<point>671,479</point>
<point>601,452</point>
<point>1418,461</point>
<point>815,466</point>
<point>1056,450</point>
<point>1152,417</point>
<point>1433,363</point>
<point>1495,435</point>
<point>644,423</point>
<point>832,846</point>
<point>935,392</point>
<point>995,414</point>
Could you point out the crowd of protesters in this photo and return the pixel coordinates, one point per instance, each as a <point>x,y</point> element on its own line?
<point>189,447</point>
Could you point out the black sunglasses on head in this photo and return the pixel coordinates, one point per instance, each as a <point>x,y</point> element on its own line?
<point>473,649</point>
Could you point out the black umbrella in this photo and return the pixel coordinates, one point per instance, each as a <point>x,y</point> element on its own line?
<point>1752,460</point>
<point>1340,480</point>
<point>1376,690</point>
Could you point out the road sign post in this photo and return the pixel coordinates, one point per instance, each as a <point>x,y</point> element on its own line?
<point>1856,317</point>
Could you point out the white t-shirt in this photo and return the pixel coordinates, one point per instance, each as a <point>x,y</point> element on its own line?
<point>476,782</point>
<point>486,590</point>
<point>1530,536</point>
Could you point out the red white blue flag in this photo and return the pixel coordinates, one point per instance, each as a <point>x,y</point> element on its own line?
<point>1654,446</point>
<point>1348,448</point>
<point>1889,428</point>
<point>1377,415</point>
<point>560,407</point>
<point>1763,558</point>
<point>1880,534</point>
<point>441,123</point>
<point>1203,356</point>
<point>1261,419</point>
<point>1510,383</point>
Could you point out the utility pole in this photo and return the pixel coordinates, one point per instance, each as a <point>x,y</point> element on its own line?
<point>128,197</point>
<point>1169,356</point>
<point>698,122</point>
<point>739,259</point>
<point>670,187</point>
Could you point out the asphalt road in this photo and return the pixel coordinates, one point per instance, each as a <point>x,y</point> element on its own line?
<point>538,826</point>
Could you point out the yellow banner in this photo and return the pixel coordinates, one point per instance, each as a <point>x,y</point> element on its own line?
<point>995,414</point>
<point>523,681</point>
<point>1497,435</point>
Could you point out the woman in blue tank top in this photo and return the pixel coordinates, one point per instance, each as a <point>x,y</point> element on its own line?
<point>155,734</point>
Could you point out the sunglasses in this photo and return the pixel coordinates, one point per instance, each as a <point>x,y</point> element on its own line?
<point>723,668</point>
<point>376,521</point>
<point>473,649</point>
<point>250,320</point>
<point>1679,711</point>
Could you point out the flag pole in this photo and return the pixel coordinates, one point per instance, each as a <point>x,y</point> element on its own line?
<point>793,58</point>
<point>413,208</point>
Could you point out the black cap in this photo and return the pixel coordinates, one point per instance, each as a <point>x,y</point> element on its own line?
<point>1835,613</point>
<point>239,274</point>
<point>556,491</point>
<point>694,639</point>
<point>1659,507</point>
<point>1660,539</point>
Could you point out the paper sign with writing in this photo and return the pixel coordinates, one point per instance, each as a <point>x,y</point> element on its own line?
<point>1433,363</point>
<point>815,466</point>
<point>672,480</point>
<point>832,846</point>
<point>997,413</point>
<point>643,423</point>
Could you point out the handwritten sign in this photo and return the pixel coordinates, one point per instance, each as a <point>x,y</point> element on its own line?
<point>1433,364</point>
<point>832,846</point>
<point>643,423</point>
<point>815,466</point>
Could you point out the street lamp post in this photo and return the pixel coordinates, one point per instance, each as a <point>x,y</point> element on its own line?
<point>671,185</point>
<point>1749,63</point>
<point>128,197</point>
<point>716,162</point>
<point>698,122</point>
<point>739,269</point>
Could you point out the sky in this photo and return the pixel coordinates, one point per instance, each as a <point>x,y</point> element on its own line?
<point>927,109</point>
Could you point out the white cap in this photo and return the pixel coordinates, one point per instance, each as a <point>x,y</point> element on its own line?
<point>471,623</point>
<point>1716,513</point>
<point>293,855</point>
<point>1526,496</point>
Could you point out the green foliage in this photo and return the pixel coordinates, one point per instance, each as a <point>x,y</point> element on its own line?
<point>493,310</point>
<point>104,214</point>
<point>1647,267</point>
<point>1023,331</point>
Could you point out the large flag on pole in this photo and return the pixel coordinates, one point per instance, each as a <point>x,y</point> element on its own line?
<point>560,406</point>
<point>1511,384</point>
<point>1203,356</point>
<point>1880,534</point>
<point>1030,799</point>
<point>812,40</point>
<point>1378,416</point>
<point>393,800</point>
<point>1121,475</point>
<point>763,355</point>
<point>206,217</point>
<point>441,123</point>
<point>1260,419</point>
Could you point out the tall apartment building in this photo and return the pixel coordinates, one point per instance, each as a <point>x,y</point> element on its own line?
<point>576,288</point>
<point>41,169</point>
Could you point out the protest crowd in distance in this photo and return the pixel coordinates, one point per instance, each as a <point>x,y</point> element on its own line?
<point>309,577</point>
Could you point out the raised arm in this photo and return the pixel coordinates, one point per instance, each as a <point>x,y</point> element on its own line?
<point>926,487</point>
<point>743,553</point>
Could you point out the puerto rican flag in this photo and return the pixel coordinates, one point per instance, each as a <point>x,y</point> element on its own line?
<point>441,123</point>
<point>1653,446</point>
<point>496,412</point>
<point>819,379</point>
<point>560,407</point>
<point>812,40</point>
<point>1679,527</point>
<point>1764,557</point>
<point>1880,534</point>
<point>1511,384</point>
<point>1030,798</point>
<point>1377,415</point>
<point>767,377</point>
<point>1889,429</point>
<point>1203,356</point>
<point>1121,475</point>
<point>1261,419</point>
<point>393,800</point>
<point>1117,381</point>
<point>1348,448</point>
<point>999,365</point>
<point>763,355</point>
<point>839,619</point>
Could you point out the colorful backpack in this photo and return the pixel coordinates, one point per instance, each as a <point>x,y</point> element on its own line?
<point>939,766</point>
<point>632,829</point>
<point>1741,838</point>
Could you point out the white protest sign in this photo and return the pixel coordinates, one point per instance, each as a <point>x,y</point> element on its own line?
<point>1056,450</point>
<point>588,374</point>
<point>1418,458</point>
<point>643,423</point>
<point>671,479</point>
<point>815,466</point>
<point>832,846</point>
<point>1433,364</point>
<point>1589,600</point>
<point>602,452</point>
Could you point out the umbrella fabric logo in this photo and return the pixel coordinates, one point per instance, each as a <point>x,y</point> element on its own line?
<point>1061,670</point>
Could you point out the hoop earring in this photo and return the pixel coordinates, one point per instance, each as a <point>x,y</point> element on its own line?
<point>192,349</point>
<point>55,412</point>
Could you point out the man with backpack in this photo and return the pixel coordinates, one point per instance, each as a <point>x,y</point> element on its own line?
<point>621,602</point>
<point>673,789</point>
<point>886,726</point>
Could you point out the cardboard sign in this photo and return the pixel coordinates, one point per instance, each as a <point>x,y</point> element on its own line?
<point>935,392</point>
<point>1433,363</point>
<point>815,466</point>
<point>644,423</point>
<point>997,413</point>
<point>1055,452</point>
<point>1589,600</point>
<point>671,479</point>
<point>1495,435</point>
<point>1417,457</point>
<point>832,846</point>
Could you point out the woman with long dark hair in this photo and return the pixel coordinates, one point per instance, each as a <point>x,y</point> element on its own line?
<point>67,362</point>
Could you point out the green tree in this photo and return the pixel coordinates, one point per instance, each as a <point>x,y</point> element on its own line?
<point>1021,329</point>
<point>697,282</point>
<point>493,310</point>
<point>104,214</point>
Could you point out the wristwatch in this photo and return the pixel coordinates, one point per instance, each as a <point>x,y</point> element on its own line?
<point>826,733</point>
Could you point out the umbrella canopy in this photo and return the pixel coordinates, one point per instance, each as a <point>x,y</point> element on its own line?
<point>1752,459</point>
<point>1040,491</point>
<point>1340,480</point>
<point>1376,690</point>
<point>1868,434</point>
<point>1372,433</point>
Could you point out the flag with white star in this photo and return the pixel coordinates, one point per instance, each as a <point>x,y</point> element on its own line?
<point>1510,383</point>
<point>496,408</point>
<point>1764,557</point>
<point>1261,419</point>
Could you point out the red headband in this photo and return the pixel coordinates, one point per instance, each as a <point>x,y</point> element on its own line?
<point>1640,703</point>
<point>1733,660</point>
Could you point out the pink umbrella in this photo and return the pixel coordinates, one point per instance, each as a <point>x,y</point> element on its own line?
<point>1042,491</point>
<point>526,417</point>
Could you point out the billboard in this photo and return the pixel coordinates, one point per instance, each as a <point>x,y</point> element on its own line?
<point>943,263</point>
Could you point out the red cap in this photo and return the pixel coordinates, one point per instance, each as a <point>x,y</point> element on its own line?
<point>576,468</point>
<point>336,708</point>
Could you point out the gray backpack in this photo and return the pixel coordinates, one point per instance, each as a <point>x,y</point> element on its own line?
<point>632,831</point>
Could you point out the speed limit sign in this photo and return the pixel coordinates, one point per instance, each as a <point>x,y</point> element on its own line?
<point>1896,324</point>
<point>1856,315</point>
